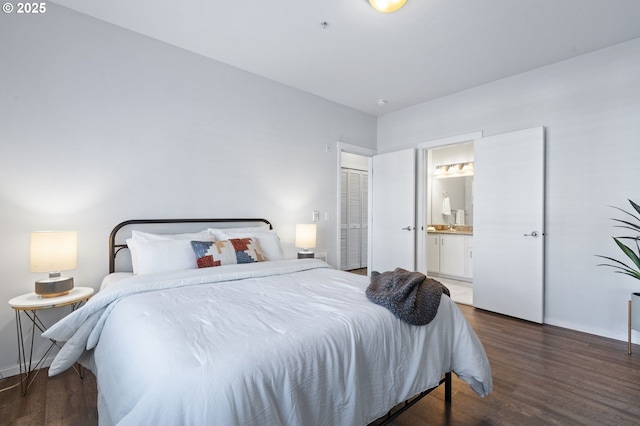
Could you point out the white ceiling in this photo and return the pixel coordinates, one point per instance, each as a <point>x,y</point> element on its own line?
<point>428,49</point>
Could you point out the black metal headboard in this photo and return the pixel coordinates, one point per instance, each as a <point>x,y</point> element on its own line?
<point>115,247</point>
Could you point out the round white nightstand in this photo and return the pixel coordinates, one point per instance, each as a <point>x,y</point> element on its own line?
<point>29,304</point>
<point>32,301</point>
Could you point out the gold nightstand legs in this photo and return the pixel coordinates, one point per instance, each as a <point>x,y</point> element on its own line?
<point>29,372</point>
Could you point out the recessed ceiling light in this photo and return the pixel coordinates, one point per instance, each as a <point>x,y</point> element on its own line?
<point>381,102</point>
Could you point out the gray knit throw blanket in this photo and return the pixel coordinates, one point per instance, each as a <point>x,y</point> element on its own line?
<point>410,296</point>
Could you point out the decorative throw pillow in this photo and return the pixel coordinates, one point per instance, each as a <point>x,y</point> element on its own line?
<point>268,240</point>
<point>227,252</point>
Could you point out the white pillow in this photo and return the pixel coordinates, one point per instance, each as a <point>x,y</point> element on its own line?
<point>146,236</point>
<point>267,239</point>
<point>161,256</point>
<point>258,228</point>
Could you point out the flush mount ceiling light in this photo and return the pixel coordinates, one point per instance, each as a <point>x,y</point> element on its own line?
<point>387,6</point>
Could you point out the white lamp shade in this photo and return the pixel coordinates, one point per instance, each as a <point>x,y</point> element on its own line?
<point>53,251</point>
<point>387,6</point>
<point>306,235</point>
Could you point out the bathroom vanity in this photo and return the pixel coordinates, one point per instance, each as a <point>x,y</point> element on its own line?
<point>450,251</point>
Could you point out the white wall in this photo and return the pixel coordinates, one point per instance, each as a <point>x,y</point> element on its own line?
<point>590,107</point>
<point>100,125</point>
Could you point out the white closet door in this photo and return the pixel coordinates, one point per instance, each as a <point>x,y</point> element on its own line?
<point>393,211</point>
<point>343,219</point>
<point>508,232</point>
<point>354,215</point>
<point>353,219</point>
<point>365,221</point>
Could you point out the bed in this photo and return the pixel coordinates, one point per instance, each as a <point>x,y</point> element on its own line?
<point>274,341</point>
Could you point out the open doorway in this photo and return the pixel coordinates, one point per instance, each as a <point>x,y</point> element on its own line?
<point>353,207</point>
<point>448,207</point>
<point>354,212</point>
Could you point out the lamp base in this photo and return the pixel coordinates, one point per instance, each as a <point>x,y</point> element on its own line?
<point>54,287</point>
<point>306,255</point>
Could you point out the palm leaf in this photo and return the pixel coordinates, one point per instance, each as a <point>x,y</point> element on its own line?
<point>620,267</point>
<point>629,252</point>
<point>629,225</point>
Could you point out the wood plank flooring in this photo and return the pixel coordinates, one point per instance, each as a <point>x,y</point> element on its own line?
<point>62,400</point>
<point>543,375</point>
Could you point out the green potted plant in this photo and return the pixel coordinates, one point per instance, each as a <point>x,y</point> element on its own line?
<point>631,265</point>
<point>633,253</point>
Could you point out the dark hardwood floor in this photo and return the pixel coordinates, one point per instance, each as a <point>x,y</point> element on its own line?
<point>65,399</point>
<point>543,375</point>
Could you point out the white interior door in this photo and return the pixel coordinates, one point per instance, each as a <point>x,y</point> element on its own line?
<point>508,232</point>
<point>354,217</point>
<point>392,215</point>
<point>344,223</point>
<point>364,247</point>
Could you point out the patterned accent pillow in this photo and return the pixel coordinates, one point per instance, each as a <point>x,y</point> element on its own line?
<point>227,252</point>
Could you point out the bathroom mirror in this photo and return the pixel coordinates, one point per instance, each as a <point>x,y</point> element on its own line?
<point>460,193</point>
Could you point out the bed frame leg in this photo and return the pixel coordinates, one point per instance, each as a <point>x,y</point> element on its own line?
<point>447,388</point>
<point>392,415</point>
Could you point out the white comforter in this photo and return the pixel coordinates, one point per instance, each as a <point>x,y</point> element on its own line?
<point>271,343</point>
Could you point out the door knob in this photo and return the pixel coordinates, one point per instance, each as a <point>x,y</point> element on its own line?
<point>532,234</point>
<point>408,228</point>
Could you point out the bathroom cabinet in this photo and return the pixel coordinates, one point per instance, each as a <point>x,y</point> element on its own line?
<point>468,257</point>
<point>433,253</point>
<point>450,255</point>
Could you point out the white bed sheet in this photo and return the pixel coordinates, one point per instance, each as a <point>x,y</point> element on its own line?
<point>114,277</point>
<point>277,343</point>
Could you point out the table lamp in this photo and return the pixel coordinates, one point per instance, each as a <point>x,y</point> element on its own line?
<point>305,239</point>
<point>52,252</point>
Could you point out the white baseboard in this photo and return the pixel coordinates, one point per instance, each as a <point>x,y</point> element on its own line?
<point>11,371</point>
